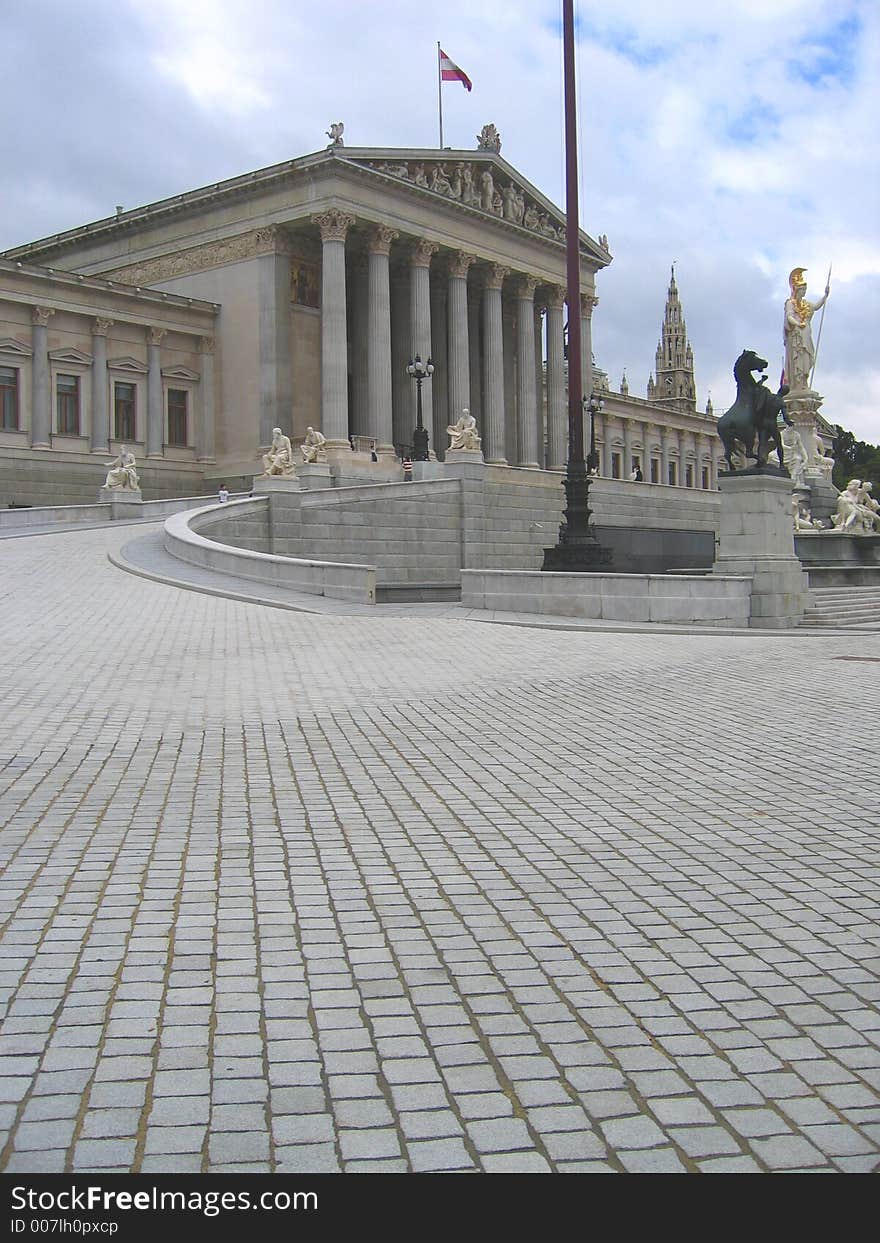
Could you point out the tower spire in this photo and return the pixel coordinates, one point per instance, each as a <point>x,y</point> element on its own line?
<point>674,365</point>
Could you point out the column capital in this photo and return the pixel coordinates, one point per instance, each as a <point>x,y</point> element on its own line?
<point>422,253</point>
<point>100,327</point>
<point>494,275</point>
<point>380,240</point>
<point>459,262</point>
<point>206,345</point>
<point>555,297</point>
<point>588,302</point>
<point>155,335</point>
<point>40,315</point>
<point>271,240</point>
<point>525,287</point>
<point>334,224</point>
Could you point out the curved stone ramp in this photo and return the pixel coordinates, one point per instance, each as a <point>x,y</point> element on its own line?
<point>185,537</point>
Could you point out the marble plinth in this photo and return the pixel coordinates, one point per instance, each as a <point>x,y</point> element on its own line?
<point>314,475</point>
<point>464,455</point>
<point>124,502</point>
<point>756,538</point>
<point>275,483</point>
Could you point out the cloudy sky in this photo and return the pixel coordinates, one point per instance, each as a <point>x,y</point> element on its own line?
<point>737,140</point>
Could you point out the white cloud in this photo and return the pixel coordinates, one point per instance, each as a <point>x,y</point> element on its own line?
<point>739,140</point>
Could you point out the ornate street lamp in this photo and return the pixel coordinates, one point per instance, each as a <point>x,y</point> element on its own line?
<point>578,550</point>
<point>420,372</point>
<point>595,406</point>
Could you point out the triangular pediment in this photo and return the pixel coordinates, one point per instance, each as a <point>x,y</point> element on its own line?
<point>179,373</point>
<point>9,345</point>
<point>480,182</point>
<point>71,356</point>
<point>127,363</point>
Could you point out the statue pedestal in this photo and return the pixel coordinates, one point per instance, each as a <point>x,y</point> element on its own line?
<point>464,455</point>
<point>428,470</point>
<point>275,483</point>
<point>314,475</point>
<point>757,539</point>
<point>124,502</point>
<point>823,494</point>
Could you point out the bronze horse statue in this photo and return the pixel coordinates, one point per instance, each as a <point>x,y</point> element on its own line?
<point>753,417</point>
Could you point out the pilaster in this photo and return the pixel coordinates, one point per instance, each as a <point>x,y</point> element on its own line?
<point>100,442</point>
<point>41,415</point>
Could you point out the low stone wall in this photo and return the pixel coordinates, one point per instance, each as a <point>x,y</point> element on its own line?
<point>36,477</point>
<point>671,598</point>
<point>183,538</point>
<point>237,525</point>
<point>411,532</point>
<point>74,515</point>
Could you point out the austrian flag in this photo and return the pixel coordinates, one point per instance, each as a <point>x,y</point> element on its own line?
<point>450,72</point>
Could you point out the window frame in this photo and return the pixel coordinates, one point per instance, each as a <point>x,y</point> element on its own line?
<point>15,390</point>
<point>60,407</point>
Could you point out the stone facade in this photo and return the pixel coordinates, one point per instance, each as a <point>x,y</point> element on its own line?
<point>293,297</point>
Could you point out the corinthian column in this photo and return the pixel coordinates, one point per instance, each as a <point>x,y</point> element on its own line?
<point>155,419</point>
<point>420,323</point>
<point>100,411</point>
<point>493,366</point>
<point>334,226</point>
<point>526,439</point>
<point>41,415</point>
<point>379,407</point>
<point>557,422</point>
<point>459,355</point>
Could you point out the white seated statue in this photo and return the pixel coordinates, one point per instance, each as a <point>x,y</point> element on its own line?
<point>312,447</point>
<point>463,434</point>
<point>122,473</point>
<point>795,454</point>
<point>857,512</point>
<point>279,459</point>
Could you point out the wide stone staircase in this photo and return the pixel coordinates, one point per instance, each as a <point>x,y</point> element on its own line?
<point>844,606</point>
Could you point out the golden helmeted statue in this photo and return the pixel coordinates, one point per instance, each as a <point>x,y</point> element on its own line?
<point>800,354</point>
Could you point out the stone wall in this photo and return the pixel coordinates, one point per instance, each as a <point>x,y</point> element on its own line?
<point>239,526</point>
<point>29,477</point>
<point>411,532</point>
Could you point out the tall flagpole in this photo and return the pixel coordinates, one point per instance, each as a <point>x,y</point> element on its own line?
<point>819,333</point>
<point>439,95</point>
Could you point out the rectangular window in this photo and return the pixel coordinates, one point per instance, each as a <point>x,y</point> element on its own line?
<point>9,399</point>
<point>67,391</point>
<point>706,478</point>
<point>177,416</point>
<point>123,411</point>
<point>615,465</point>
<point>655,471</point>
<point>689,476</point>
<point>672,474</point>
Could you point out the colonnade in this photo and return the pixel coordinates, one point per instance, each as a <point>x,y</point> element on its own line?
<point>483,326</point>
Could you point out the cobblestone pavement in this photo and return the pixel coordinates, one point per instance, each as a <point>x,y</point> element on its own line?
<point>286,892</point>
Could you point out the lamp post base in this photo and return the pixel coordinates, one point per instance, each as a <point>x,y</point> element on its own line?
<point>420,445</point>
<point>578,550</point>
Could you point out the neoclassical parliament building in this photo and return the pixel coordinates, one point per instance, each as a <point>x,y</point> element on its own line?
<point>294,297</point>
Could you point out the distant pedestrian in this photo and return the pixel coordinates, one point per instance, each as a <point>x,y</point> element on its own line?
<point>223,494</point>
<point>374,456</point>
<point>407,470</point>
<point>638,476</point>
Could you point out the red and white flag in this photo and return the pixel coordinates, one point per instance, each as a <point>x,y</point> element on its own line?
<point>450,72</point>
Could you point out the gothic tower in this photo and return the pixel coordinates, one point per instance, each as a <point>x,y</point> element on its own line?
<point>674,385</point>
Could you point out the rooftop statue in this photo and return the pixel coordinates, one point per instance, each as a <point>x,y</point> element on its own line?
<point>334,133</point>
<point>750,426</point>
<point>489,139</point>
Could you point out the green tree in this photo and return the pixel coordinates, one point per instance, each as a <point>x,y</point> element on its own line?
<point>853,459</point>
